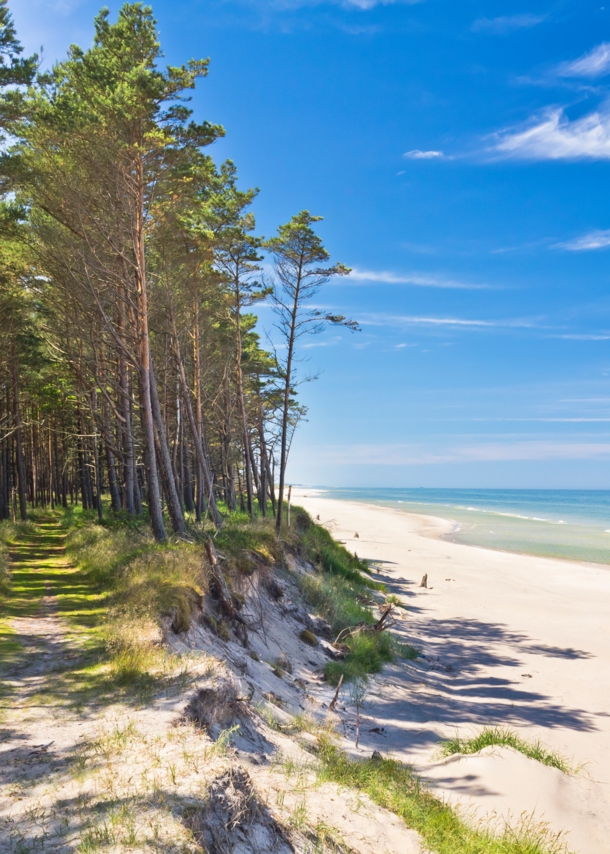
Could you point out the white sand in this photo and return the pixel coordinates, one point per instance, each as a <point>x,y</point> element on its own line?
<point>509,640</point>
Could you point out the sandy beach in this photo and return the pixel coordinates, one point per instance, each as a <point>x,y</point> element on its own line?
<point>509,640</point>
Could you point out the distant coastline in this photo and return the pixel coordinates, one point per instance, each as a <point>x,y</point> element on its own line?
<point>566,524</point>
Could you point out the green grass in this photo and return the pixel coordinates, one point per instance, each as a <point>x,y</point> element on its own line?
<point>502,737</point>
<point>318,546</point>
<point>339,593</point>
<point>367,654</point>
<point>396,788</point>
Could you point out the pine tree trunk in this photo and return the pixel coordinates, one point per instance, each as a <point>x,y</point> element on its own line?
<point>18,448</point>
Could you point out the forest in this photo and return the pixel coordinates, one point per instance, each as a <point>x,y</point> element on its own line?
<point>133,380</point>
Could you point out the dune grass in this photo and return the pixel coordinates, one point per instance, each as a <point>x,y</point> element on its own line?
<point>142,582</point>
<point>341,594</point>
<point>318,546</point>
<point>395,787</point>
<point>504,737</point>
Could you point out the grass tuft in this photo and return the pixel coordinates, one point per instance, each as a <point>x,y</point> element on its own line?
<point>503,737</point>
<point>396,788</point>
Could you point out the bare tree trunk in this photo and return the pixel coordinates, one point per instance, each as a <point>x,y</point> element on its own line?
<point>174,505</point>
<point>197,436</point>
<point>145,361</point>
<point>242,403</point>
<point>18,447</point>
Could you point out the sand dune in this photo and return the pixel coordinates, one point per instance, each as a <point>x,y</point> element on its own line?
<point>509,640</point>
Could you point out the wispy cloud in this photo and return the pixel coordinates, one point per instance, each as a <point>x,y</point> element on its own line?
<point>348,4</point>
<point>416,279</point>
<point>379,319</point>
<point>596,63</point>
<point>585,336</point>
<point>412,454</point>
<point>598,239</point>
<point>552,136</point>
<point>507,23</point>
<point>418,154</point>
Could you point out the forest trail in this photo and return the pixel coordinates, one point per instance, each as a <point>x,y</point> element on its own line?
<point>34,650</point>
<point>35,636</point>
<point>86,764</point>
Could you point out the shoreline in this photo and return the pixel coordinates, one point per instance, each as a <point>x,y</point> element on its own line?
<point>510,640</point>
<point>450,537</point>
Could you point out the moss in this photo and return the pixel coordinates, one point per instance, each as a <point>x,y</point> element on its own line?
<point>218,626</point>
<point>308,637</point>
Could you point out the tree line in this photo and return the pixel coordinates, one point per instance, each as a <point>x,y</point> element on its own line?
<point>132,378</point>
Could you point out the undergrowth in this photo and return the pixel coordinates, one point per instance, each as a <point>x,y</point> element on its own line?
<point>6,536</point>
<point>503,737</point>
<point>340,593</point>
<point>318,546</point>
<point>145,581</point>
<point>394,787</point>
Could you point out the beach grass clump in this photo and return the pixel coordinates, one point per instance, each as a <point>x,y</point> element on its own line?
<point>246,543</point>
<point>395,787</point>
<point>144,582</point>
<point>339,602</point>
<point>368,652</point>
<point>318,546</point>
<point>504,737</point>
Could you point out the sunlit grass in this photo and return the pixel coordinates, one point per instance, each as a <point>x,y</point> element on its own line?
<point>504,737</point>
<point>395,787</point>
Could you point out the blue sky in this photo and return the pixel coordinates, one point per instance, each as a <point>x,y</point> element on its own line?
<point>460,156</point>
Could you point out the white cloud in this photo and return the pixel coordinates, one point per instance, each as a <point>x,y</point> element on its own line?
<point>406,320</point>
<point>417,279</point>
<point>583,337</point>
<point>417,154</point>
<point>348,4</point>
<point>553,136</point>
<point>598,239</point>
<point>596,63</point>
<point>401,455</point>
<point>507,23</point>
<point>401,321</point>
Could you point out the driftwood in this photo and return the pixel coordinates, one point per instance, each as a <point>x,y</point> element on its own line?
<point>424,581</point>
<point>386,621</point>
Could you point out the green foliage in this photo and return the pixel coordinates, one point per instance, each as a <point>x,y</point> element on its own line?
<point>335,599</point>
<point>6,534</point>
<point>368,652</point>
<point>503,737</point>
<point>395,787</point>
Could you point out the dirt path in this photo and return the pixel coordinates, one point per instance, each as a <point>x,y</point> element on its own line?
<point>86,764</point>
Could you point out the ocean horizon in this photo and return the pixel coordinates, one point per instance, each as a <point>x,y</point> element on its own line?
<point>571,524</point>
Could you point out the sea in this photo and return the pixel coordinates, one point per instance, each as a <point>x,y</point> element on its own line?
<point>573,524</point>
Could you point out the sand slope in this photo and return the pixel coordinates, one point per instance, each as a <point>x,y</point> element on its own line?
<point>509,640</point>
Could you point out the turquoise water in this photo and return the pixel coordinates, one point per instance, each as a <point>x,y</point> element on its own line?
<point>565,523</point>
